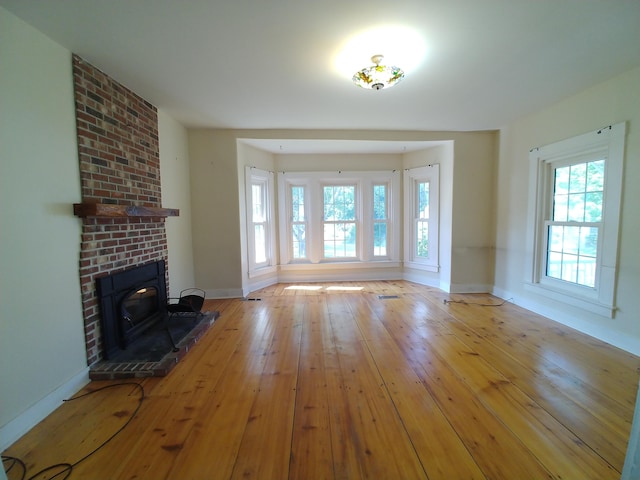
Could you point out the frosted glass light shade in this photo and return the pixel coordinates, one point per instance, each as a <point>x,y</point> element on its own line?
<point>377,77</point>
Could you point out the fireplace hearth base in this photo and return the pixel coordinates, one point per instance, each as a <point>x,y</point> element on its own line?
<point>153,355</point>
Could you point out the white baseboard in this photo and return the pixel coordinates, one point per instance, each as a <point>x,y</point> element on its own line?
<point>255,285</point>
<point>224,293</point>
<point>421,279</point>
<point>469,288</point>
<point>609,336</point>
<point>16,428</point>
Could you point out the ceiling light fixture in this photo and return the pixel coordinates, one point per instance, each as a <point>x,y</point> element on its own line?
<point>377,76</point>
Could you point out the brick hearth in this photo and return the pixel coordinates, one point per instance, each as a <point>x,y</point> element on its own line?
<point>106,370</point>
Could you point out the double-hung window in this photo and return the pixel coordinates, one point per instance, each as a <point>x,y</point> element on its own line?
<point>574,230</point>
<point>260,229</point>
<point>298,227</point>
<point>421,217</point>
<point>338,217</point>
<point>381,226</point>
<point>340,229</point>
<point>574,223</point>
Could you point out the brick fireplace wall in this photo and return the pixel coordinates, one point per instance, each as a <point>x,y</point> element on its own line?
<point>119,164</point>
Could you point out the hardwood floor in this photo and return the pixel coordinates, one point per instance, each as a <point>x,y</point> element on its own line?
<point>333,383</point>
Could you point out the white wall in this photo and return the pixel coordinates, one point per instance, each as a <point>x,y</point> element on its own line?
<point>215,212</point>
<point>42,348</point>
<point>614,101</point>
<point>176,193</point>
<point>473,232</point>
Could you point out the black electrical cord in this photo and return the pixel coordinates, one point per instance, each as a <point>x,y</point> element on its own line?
<point>67,468</point>
<point>446,302</point>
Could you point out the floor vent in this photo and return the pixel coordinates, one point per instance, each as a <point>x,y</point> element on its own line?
<point>252,299</point>
<point>385,297</point>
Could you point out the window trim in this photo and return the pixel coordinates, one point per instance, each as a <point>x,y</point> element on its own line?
<point>313,183</point>
<point>253,176</point>
<point>607,143</point>
<point>431,174</point>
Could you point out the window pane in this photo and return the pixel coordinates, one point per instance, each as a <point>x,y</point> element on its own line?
<point>554,264</point>
<point>569,267</point>
<point>297,204</point>
<point>578,178</point>
<point>339,202</point>
<point>595,176</point>
<point>587,271</point>
<point>571,239</point>
<point>257,197</point>
<point>260,244</point>
<point>422,238</point>
<point>561,184</point>
<point>379,202</point>
<point>555,238</point>
<point>560,208</point>
<point>379,239</point>
<point>339,240</point>
<point>585,184</point>
<point>299,242</point>
<point>576,207</point>
<point>423,199</point>
<point>571,254</point>
<point>588,241</point>
<point>593,207</point>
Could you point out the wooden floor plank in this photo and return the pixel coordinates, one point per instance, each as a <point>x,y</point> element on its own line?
<point>495,448</point>
<point>359,380</point>
<point>585,411</point>
<point>311,449</point>
<point>369,429</point>
<point>540,432</point>
<point>265,449</point>
<point>212,447</point>
<point>440,449</point>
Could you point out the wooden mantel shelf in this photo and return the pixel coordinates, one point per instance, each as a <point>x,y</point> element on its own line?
<point>109,210</point>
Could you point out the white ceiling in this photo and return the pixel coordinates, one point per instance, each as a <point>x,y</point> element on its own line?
<point>257,64</point>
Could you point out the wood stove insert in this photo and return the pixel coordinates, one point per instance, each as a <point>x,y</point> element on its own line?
<point>131,302</point>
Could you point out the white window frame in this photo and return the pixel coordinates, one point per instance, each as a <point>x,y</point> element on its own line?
<point>356,221</point>
<point>608,144</point>
<point>266,180</point>
<point>412,176</point>
<point>314,183</point>
<point>385,221</point>
<point>286,247</point>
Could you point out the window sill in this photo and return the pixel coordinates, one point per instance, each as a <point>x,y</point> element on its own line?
<point>422,266</point>
<point>339,265</point>
<point>589,305</point>
<point>259,272</point>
